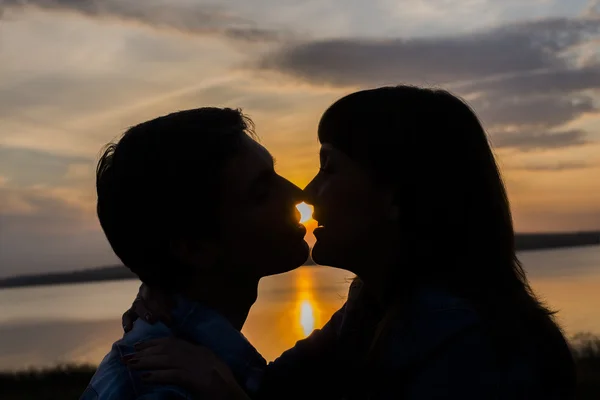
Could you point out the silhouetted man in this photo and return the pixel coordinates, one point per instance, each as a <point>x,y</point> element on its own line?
<point>191,203</point>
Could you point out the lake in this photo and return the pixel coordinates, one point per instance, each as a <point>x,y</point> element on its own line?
<point>43,326</point>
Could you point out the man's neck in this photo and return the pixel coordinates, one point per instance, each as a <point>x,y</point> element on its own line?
<point>232,299</point>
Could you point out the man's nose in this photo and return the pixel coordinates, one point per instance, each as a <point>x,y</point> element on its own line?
<point>310,192</point>
<point>294,193</point>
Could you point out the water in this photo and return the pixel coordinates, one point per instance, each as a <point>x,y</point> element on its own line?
<point>42,326</point>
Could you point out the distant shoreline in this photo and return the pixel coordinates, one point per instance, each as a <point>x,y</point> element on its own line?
<point>100,274</point>
<point>524,242</point>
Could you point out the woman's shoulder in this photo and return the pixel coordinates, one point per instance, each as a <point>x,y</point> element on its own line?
<point>434,316</point>
<point>435,320</point>
<point>445,333</point>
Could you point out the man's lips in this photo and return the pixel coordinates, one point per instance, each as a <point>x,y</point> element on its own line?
<point>320,221</point>
<point>298,229</point>
<point>320,225</point>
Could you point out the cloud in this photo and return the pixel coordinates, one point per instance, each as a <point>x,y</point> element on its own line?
<point>520,47</point>
<point>49,229</point>
<point>549,82</point>
<point>535,140</point>
<point>40,209</point>
<point>194,19</point>
<point>546,111</point>
<point>79,171</point>
<point>28,167</point>
<point>526,80</point>
<point>542,219</point>
<point>42,192</point>
<point>553,167</point>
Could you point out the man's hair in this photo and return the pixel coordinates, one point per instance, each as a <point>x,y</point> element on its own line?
<point>162,181</point>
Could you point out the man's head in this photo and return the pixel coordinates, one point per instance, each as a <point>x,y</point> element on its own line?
<point>192,194</point>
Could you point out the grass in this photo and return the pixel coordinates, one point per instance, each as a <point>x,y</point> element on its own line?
<point>68,382</point>
<point>61,382</point>
<point>586,348</point>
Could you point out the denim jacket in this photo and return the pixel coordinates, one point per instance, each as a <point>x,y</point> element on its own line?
<point>113,380</point>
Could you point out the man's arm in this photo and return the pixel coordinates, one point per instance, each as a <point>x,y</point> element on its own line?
<point>307,368</point>
<point>309,364</point>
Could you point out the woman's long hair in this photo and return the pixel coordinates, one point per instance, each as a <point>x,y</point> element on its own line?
<point>455,219</point>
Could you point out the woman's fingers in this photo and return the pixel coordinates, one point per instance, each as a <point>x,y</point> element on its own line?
<point>153,362</point>
<point>175,347</point>
<point>164,377</point>
<point>177,362</point>
<point>160,343</point>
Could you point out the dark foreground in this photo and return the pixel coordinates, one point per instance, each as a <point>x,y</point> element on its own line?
<point>68,382</point>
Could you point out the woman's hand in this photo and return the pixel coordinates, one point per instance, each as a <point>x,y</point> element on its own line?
<point>173,361</point>
<point>151,304</point>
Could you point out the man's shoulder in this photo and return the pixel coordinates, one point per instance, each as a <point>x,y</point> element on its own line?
<point>113,380</point>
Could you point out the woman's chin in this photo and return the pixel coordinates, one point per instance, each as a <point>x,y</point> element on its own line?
<point>289,260</point>
<point>332,256</point>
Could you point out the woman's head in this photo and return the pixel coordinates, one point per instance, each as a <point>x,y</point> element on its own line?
<point>409,193</point>
<point>408,173</point>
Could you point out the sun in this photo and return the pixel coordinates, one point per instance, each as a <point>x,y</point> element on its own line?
<point>305,212</point>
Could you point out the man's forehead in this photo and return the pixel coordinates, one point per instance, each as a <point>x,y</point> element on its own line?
<point>252,161</point>
<point>251,154</point>
<point>260,151</point>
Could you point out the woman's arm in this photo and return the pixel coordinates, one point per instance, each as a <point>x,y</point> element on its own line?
<point>307,370</point>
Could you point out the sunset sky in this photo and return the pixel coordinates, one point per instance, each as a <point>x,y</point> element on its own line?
<point>74,74</point>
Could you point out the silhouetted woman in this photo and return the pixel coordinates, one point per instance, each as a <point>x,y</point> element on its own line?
<point>410,199</point>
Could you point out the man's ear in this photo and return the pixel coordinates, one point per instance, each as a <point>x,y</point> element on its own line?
<point>199,253</point>
<point>392,211</point>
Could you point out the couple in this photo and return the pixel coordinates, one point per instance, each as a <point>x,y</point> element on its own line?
<point>409,198</point>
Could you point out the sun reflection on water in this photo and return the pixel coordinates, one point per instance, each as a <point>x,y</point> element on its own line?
<point>307,312</point>
<point>307,317</point>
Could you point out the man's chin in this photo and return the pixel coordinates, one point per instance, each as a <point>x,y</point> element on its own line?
<point>334,257</point>
<point>295,258</point>
<point>321,255</point>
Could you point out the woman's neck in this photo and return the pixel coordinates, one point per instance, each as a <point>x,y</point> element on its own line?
<point>378,275</point>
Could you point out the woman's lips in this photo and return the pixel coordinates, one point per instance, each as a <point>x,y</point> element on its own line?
<point>320,224</point>
<point>318,230</point>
